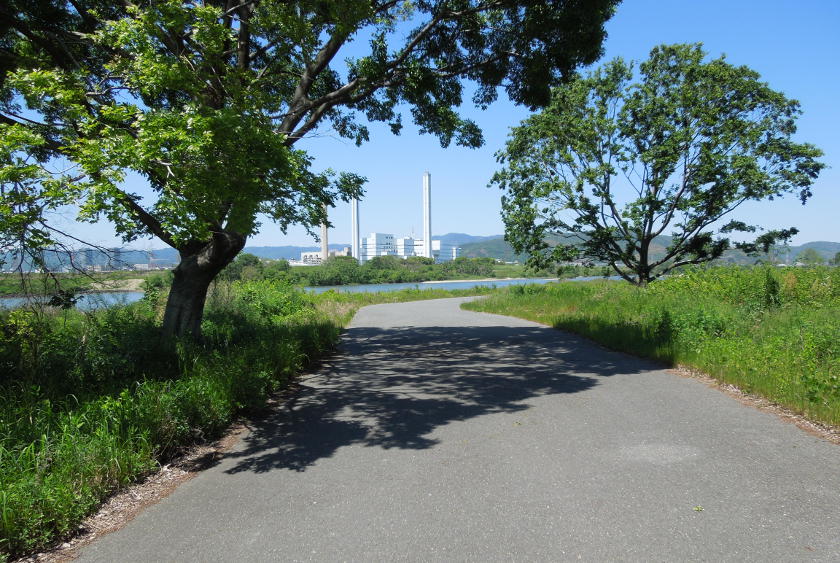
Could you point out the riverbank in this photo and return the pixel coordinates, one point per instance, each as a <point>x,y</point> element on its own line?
<point>38,284</point>
<point>492,280</point>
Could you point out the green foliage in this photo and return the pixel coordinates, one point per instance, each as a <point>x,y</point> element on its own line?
<point>615,163</point>
<point>810,257</point>
<point>344,270</point>
<point>92,402</point>
<point>207,101</point>
<point>771,331</point>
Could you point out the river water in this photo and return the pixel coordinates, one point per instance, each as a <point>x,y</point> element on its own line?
<point>86,302</point>
<point>464,284</point>
<point>92,301</point>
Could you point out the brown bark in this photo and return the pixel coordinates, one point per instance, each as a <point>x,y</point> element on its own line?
<point>200,264</point>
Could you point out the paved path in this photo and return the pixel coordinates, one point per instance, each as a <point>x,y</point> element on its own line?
<point>444,435</point>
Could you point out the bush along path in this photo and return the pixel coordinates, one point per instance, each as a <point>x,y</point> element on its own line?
<point>767,330</point>
<point>91,402</point>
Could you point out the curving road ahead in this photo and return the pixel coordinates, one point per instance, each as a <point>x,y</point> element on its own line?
<point>443,435</point>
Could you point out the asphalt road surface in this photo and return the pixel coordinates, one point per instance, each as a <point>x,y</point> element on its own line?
<point>444,435</point>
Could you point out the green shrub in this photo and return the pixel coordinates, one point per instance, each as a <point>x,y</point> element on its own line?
<point>89,402</point>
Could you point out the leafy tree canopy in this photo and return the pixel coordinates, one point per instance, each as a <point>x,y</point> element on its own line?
<point>810,257</point>
<point>615,162</point>
<point>207,100</point>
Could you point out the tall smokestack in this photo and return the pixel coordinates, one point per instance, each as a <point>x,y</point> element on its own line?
<point>325,247</point>
<point>354,220</point>
<point>427,215</point>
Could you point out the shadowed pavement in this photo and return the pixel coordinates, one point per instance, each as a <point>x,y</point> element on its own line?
<point>441,434</point>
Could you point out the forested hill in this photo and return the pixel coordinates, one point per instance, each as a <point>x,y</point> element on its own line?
<point>499,249</point>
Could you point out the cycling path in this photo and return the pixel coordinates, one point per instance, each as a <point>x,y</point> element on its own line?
<point>438,434</point>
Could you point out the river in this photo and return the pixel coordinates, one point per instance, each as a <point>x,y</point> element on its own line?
<point>456,284</point>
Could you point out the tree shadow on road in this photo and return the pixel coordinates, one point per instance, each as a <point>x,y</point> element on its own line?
<point>392,388</point>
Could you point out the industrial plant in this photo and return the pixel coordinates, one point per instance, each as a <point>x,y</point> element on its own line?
<point>385,244</point>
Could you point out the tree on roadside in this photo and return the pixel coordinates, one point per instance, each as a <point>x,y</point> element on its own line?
<point>207,101</point>
<point>836,260</point>
<point>616,163</point>
<point>246,266</point>
<point>810,257</point>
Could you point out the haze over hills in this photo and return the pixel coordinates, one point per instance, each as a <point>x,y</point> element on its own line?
<point>493,246</point>
<point>498,248</point>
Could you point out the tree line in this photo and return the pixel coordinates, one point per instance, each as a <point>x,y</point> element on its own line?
<point>344,270</point>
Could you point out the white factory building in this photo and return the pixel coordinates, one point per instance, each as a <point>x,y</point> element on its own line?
<point>384,244</point>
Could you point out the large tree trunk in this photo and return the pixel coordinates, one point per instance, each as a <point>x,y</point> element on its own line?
<point>200,263</point>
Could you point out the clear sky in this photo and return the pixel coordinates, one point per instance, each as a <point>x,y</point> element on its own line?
<point>793,44</point>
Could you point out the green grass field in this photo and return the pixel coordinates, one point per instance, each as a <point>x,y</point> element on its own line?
<point>770,331</point>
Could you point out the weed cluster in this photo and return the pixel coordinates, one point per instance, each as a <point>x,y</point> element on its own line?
<point>768,330</point>
<point>92,401</point>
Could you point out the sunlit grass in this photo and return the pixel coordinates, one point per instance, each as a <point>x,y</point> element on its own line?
<point>770,331</point>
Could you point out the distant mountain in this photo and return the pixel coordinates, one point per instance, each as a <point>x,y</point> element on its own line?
<point>112,258</point>
<point>827,249</point>
<point>286,252</point>
<point>459,239</point>
<point>494,247</point>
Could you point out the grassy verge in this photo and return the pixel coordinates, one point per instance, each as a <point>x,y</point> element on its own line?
<point>90,402</point>
<point>342,306</point>
<point>770,331</point>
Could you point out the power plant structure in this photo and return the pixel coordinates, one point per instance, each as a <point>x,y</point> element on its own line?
<point>354,221</point>
<point>385,244</point>
<point>427,214</point>
<point>325,245</point>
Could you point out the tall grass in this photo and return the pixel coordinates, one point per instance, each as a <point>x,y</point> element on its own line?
<point>770,331</point>
<point>90,402</point>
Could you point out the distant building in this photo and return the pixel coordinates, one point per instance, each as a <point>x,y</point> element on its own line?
<point>408,246</point>
<point>315,258</point>
<point>310,258</point>
<point>116,260</point>
<point>443,252</point>
<point>378,244</point>
<point>384,244</point>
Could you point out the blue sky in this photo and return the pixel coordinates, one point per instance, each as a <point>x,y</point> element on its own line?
<point>794,45</point>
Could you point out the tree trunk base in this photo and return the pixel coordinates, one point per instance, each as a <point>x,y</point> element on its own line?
<point>200,264</point>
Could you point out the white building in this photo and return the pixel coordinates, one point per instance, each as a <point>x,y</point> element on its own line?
<point>384,244</point>
<point>311,258</point>
<point>408,246</point>
<point>378,244</point>
<point>316,257</point>
<point>442,252</point>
